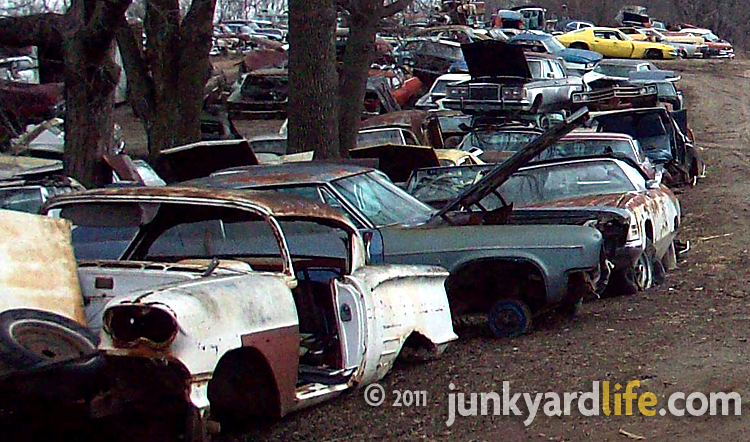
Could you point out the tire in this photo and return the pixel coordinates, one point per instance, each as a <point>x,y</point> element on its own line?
<point>639,277</point>
<point>31,337</point>
<point>579,45</point>
<point>509,318</point>
<point>654,54</point>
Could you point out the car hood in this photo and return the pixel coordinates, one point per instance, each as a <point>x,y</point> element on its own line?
<point>579,55</point>
<point>497,176</point>
<point>494,58</point>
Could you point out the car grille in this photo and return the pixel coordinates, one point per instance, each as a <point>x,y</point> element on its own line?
<point>484,92</point>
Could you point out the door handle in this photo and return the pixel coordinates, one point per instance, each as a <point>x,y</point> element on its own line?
<point>345,312</point>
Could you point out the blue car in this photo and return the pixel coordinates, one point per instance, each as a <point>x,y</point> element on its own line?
<point>578,61</point>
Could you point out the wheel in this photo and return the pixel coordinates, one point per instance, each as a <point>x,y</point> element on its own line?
<point>637,278</point>
<point>509,318</point>
<point>30,337</point>
<point>653,54</point>
<point>579,45</point>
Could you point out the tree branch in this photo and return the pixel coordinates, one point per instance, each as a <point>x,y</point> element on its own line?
<point>392,8</point>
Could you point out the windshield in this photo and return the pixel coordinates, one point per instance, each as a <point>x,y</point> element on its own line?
<point>578,148</point>
<point>553,45</point>
<point>614,70</point>
<point>378,137</point>
<point>531,186</point>
<point>277,147</point>
<point>498,141</point>
<point>711,37</point>
<point>377,198</point>
<point>535,67</point>
<point>440,86</point>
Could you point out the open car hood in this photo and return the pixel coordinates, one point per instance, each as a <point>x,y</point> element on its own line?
<point>494,58</point>
<point>497,176</point>
<point>397,161</point>
<point>201,159</point>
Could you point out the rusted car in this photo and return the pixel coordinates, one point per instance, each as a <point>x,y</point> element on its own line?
<point>638,217</point>
<point>508,273</point>
<point>581,143</point>
<point>662,135</point>
<point>260,94</point>
<point>248,304</point>
<point>414,127</point>
<point>504,80</point>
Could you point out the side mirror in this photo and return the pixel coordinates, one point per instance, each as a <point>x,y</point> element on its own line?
<point>464,127</point>
<point>652,184</point>
<point>367,240</point>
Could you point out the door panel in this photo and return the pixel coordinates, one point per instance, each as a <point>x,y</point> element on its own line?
<point>351,320</point>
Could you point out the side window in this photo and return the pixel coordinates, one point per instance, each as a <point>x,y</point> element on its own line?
<point>410,138</point>
<point>557,70</point>
<point>600,34</point>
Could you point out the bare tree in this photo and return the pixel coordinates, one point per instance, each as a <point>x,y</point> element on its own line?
<point>364,18</point>
<point>166,78</point>
<point>313,121</point>
<point>84,35</point>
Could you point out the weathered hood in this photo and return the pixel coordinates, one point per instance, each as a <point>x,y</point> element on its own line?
<point>579,55</point>
<point>608,200</point>
<point>494,58</point>
<point>497,176</point>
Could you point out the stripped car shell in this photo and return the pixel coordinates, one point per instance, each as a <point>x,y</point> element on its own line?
<point>220,304</point>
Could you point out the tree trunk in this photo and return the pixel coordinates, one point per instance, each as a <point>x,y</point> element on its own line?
<point>90,84</point>
<point>313,92</point>
<point>360,47</point>
<point>166,81</point>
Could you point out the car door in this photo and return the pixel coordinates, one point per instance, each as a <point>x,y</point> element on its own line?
<point>351,319</point>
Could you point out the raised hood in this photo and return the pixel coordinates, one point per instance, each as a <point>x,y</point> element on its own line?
<point>494,58</point>
<point>497,176</point>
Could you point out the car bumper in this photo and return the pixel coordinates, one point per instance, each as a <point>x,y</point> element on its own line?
<point>476,106</point>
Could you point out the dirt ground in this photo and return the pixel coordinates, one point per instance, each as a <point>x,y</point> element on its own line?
<point>689,334</point>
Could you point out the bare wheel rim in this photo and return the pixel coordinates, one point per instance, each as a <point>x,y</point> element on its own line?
<point>643,272</point>
<point>49,340</point>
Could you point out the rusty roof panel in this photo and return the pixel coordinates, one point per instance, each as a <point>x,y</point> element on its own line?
<point>277,204</point>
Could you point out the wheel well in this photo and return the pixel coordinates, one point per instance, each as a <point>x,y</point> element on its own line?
<point>676,222</point>
<point>649,230</point>
<point>477,285</point>
<point>244,383</point>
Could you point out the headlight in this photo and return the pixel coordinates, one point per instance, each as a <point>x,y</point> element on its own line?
<point>458,92</point>
<point>131,325</point>
<point>580,98</point>
<point>514,93</point>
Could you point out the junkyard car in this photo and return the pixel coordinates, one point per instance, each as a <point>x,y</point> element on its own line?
<point>431,100</point>
<point>508,272</point>
<point>662,134</point>
<point>263,93</point>
<point>496,139</point>
<point>586,143</point>
<point>638,217</point>
<point>688,46</point>
<point>577,61</point>
<point>610,42</point>
<point>250,304</point>
<point>504,80</point>
<point>717,47</point>
<point>411,127</point>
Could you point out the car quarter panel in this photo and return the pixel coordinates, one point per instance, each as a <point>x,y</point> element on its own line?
<point>554,249</point>
<point>401,300</point>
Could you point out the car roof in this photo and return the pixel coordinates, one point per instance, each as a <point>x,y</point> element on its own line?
<point>263,175</point>
<point>281,205</point>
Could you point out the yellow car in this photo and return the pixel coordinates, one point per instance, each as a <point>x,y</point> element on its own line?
<point>611,42</point>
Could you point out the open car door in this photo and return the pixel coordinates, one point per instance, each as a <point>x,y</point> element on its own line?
<point>351,320</point>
